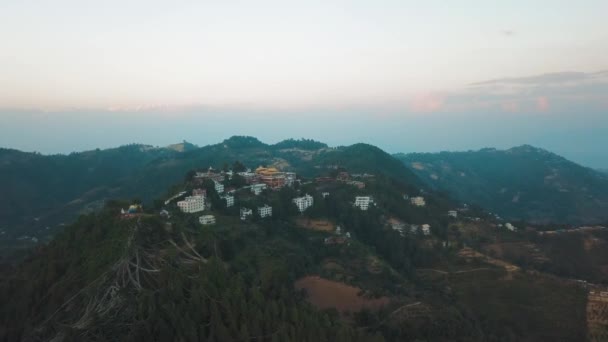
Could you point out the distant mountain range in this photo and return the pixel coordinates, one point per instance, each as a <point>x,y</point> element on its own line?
<point>519,183</point>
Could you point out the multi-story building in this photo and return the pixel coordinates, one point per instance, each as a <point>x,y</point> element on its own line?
<point>303,202</point>
<point>418,201</point>
<point>192,204</point>
<point>229,200</point>
<point>363,202</point>
<point>257,188</point>
<point>271,177</point>
<point>265,211</point>
<point>245,213</point>
<point>206,220</point>
<point>219,187</point>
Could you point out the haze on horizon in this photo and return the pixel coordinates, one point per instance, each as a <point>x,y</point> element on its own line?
<point>404,75</point>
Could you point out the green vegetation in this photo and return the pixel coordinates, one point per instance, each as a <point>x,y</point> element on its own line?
<point>520,183</point>
<point>145,277</point>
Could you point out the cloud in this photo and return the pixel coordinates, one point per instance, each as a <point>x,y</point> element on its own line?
<point>508,33</point>
<point>566,91</point>
<point>550,78</point>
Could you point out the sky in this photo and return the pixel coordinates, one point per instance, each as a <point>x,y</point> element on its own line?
<point>407,76</point>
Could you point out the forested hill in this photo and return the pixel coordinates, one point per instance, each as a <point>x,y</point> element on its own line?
<point>152,275</point>
<point>522,182</point>
<point>41,192</point>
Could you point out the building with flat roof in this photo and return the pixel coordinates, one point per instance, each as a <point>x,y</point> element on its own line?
<point>192,204</point>
<point>426,229</point>
<point>418,201</point>
<point>206,220</point>
<point>219,187</point>
<point>257,189</point>
<point>265,211</point>
<point>363,202</point>
<point>229,200</point>
<point>303,202</point>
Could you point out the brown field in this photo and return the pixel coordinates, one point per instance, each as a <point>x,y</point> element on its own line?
<point>597,314</point>
<point>326,294</point>
<point>318,225</point>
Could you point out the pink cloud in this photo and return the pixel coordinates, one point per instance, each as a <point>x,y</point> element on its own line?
<point>542,103</point>
<point>427,102</point>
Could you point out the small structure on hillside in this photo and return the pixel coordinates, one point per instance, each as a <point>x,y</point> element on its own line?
<point>206,220</point>
<point>133,210</point>
<point>453,213</point>
<point>363,202</point>
<point>245,213</point>
<point>164,214</point>
<point>426,229</point>
<point>325,194</point>
<point>510,227</point>
<point>257,189</point>
<point>418,201</point>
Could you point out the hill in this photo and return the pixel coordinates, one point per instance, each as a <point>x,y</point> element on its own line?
<point>288,277</point>
<point>519,183</point>
<point>42,192</point>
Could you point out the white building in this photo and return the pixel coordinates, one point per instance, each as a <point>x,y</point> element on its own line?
<point>192,204</point>
<point>510,227</point>
<point>338,230</point>
<point>229,201</point>
<point>257,188</point>
<point>290,178</point>
<point>219,187</point>
<point>245,213</point>
<point>303,202</point>
<point>363,202</point>
<point>426,229</point>
<point>325,194</point>
<point>265,211</point>
<point>453,213</point>
<point>206,220</point>
<point>418,201</point>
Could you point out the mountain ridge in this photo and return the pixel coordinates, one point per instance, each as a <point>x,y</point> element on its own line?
<point>523,182</point>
